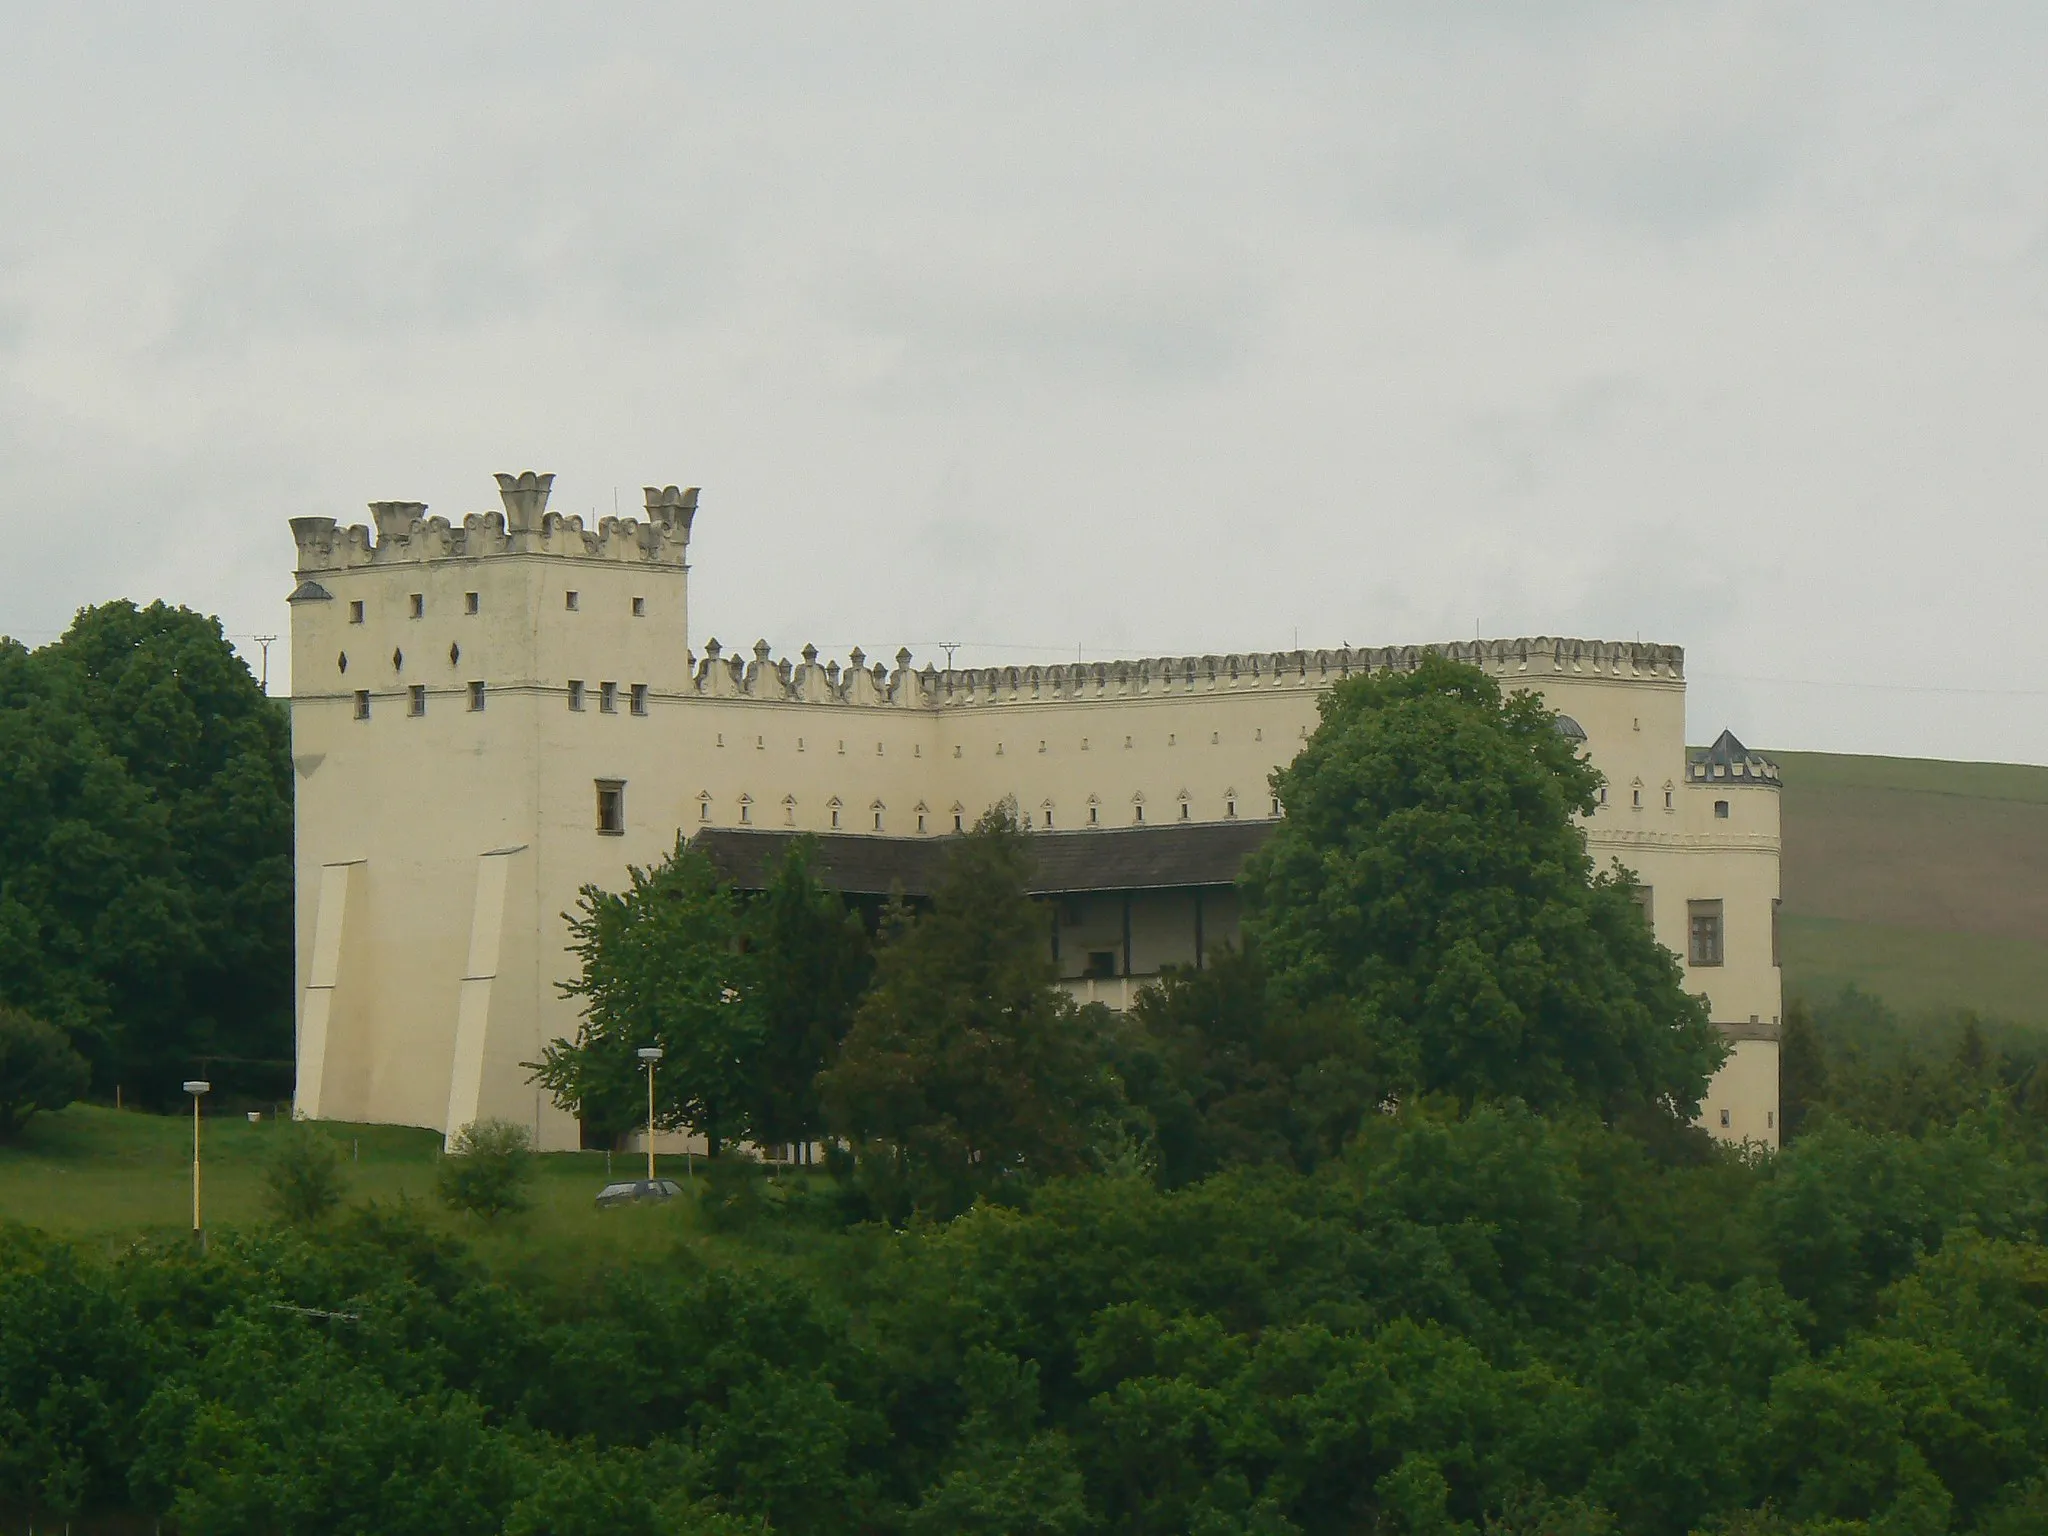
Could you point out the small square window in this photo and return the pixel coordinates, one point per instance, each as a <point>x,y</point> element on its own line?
<point>1703,927</point>
<point>470,602</point>
<point>1720,810</point>
<point>355,611</point>
<point>639,607</point>
<point>1101,964</point>
<point>608,698</point>
<point>476,696</point>
<point>419,605</point>
<point>569,601</point>
<point>416,699</point>
<point>362,703</point>
<point>611,807</point>
<point>575,694</point>
<point>639,698</point>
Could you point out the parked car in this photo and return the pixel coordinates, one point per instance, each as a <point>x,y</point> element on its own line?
<point>634,1191</point>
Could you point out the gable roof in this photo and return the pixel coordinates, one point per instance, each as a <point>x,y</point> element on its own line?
<point>1176,857</point>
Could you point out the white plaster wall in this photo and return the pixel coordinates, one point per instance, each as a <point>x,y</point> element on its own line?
<point>419,799</point>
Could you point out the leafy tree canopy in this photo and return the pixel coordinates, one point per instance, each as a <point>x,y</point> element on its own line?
<point>1431,886</point>
<point>968,1070</point>
<point>145,851</point>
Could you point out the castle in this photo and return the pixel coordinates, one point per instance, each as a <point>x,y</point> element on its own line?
<point>488,716</point>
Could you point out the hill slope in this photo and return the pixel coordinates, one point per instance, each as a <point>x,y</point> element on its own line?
<point>1924,882</point>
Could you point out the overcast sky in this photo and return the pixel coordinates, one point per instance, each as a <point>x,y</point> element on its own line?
<point>1064,330</point>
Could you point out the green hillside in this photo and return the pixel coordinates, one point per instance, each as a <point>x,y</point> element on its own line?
<point>1923,882</point>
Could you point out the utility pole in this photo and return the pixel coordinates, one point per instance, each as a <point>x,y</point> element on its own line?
<point>265,641</point>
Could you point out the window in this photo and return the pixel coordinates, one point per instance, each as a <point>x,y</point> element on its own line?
<point>1720,810</point>
<point>575,694</point>
<point>1644,901</point>
<point>639,698</point>
<point>476,696</point>
<point>362,703</point>
<point>1276,805</point>
<point>746,811</point>
<point>1724,1119</point>
<point>419,605</point>
<point>1636,799</point>
<point>469,602</point>
<point>835,818</point>
<point>608,698</point>
<point>569,601</point>
<point>1101,964</point>
<point>1230,810</point>
<point>1770,1119</point>
<point>703,810</point>
<point>1138,813</point>
<point>920,821</point>
<point>959,822</point>
<point>639,607</point>
<point>1094,820</point>
<point>1667,800</point>
<point>878,818</point>
<point>1184,810</point>
<point>1703,924</point>
<point>611,807</point>
<point>416,699</point>
<point>1048,818</point>
<point>1603,794</point>
<point>1775,905</point>
<point>355,611</point>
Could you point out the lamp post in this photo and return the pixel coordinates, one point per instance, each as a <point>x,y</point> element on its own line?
<point>198,1088</point>
<point>650,1054</point>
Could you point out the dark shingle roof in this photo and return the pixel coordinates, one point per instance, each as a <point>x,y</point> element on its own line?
<point>1207,853</point>
<point>1728,761</point>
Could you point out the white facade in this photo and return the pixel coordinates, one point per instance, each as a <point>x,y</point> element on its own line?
<point>465,698</point>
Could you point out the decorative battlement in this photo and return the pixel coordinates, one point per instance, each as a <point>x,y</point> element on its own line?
<point>806,681</point>
<point>404,534</point>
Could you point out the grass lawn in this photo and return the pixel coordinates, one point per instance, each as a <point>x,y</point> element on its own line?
<point>1916,970</point>
<point>105,1176</point>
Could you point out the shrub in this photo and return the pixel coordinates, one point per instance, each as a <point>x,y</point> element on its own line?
<point>488,1169</point>
<point>38,1070</point>
<point>303,1179</point>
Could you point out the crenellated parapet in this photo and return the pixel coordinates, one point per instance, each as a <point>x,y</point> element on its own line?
<point>401,532</point>
<point>808,681</point>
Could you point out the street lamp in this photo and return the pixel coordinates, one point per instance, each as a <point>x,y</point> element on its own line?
<point>650,1054</point>
<point>198,1088</point>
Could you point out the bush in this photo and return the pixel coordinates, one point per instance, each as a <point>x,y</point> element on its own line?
<point>488,1169</point>
<point>303,1179</point>
<point>38,1070</point>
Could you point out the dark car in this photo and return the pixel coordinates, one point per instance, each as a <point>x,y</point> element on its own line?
<point>634,1191</point>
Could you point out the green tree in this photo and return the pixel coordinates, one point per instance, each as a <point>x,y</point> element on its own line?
<point>39,1070</point>
<point>1802,1070</point>
<point>967,1068</point>
<point>303,1179</point>
<point>661,966</point>
<point>1431,884</point>
<point>95,918</point>
<point>167,695</point>
<point>488,1170</point>
<point>807,961</point>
